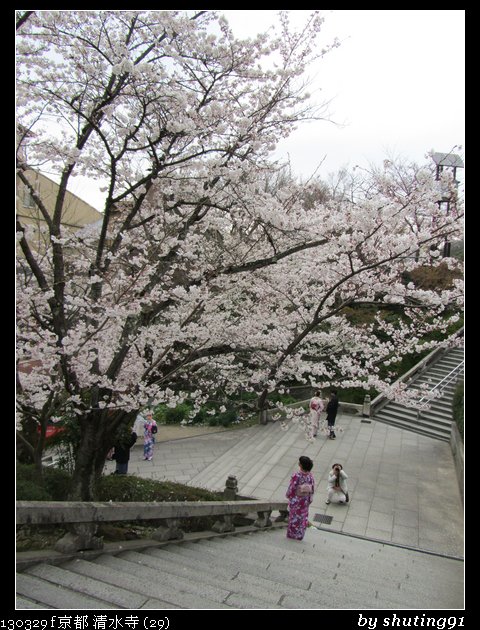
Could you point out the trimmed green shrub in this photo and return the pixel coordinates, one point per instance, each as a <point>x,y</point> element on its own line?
<point>57,483</point>
<point>110,488</point>
<point>132,488</point>
<point>31,491</point>
<point>227,417</point>
<point>176,414</point>
<point>52,485</point>
<point>181,413</point>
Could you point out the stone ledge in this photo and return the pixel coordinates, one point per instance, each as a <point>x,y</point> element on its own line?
<point>46,512</point>
<point>25,559</point>
<point>456,444</point>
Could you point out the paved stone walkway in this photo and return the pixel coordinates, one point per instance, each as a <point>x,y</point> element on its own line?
<point>403,486</point>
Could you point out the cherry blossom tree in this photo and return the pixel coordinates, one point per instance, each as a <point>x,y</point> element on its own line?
<point>201,276</point>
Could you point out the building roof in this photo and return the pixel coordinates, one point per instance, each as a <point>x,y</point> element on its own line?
<point>448,159</point>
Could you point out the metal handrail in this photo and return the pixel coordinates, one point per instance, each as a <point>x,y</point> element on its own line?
<point>446,380</point>
<point>381,400</point>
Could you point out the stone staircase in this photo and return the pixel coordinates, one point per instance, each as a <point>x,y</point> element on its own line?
<point>436,421</point>
<point>261,570</point>
<point>259,452</point>
<point>335,568</point>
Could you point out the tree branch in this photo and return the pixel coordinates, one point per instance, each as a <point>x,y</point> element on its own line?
<point>24,18</point>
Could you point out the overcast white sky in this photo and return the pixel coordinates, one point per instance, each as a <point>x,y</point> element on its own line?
<point>397,83</point>
<point>396,86</point>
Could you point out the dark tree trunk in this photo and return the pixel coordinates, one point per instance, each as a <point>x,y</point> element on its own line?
<point>97,430</point>
<point>262,407</point>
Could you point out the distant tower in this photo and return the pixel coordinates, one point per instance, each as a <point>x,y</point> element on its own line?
<point>448,202</point>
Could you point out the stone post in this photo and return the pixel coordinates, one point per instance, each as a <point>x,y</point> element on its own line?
<point>80,536</point>
<point>283,516</point>
<point>366,406</point>
<point>224,524</point>
<point>231,488</point>
<point>263,519</point>
<point>171,531</point>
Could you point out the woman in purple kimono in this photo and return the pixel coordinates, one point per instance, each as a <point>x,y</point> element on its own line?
<point>149,430</point>
<point>299,494</point>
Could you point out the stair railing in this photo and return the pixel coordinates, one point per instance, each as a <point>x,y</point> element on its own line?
<point>439,388</point>
<point>381,400</point>
<point>83,518</point>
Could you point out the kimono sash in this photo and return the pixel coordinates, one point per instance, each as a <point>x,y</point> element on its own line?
<point>304,489</point>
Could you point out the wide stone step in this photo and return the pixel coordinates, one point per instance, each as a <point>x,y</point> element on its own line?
<point>421,429</point>
<point>53,594</point>
<point>408,413</point>
<point>164,585</point>
<point>428,383</point>
<point>263,570</point>
<point>428,423</point>
<point>91,587</point>
<point>307,570</point>
<point>304,572</point>
<point>249,575</point>
<point>240,558</point>
<point>450,363</point>
<point>25,603</point>
<point>435,421</point>
<point>430,417</point>
<point>213,476</point>
<point>107,569</point>
<point>423,426</point>
<point>254,457</point>
<point>435,377</point>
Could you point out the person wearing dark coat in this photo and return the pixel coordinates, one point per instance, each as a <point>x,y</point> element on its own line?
<point>332,408</point>
<point>121,453</point>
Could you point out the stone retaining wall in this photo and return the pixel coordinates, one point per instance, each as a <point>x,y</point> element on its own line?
<point>82,518</point>
<point>456,445</point>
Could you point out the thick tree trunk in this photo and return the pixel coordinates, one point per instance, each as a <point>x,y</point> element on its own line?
<point>262,407</point>
<point>96,438</point>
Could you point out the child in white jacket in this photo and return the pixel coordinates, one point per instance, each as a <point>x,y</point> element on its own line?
<point>337,485</point>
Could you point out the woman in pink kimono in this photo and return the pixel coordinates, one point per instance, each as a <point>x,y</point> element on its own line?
<point>299,494</point>
<point>316,407</point>
<point>149,430</point>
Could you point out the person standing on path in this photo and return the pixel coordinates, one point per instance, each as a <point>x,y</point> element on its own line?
<point>316,407</point>
<point>299,494</point>
<point>139,422</point>
<point>332,409</point>
<point>121,453</point>
<point>149,431</point>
